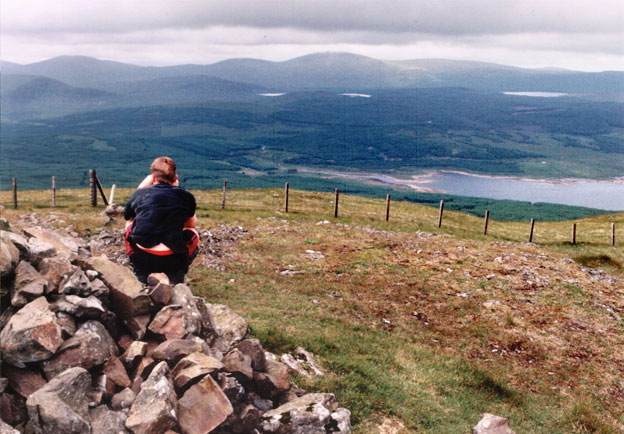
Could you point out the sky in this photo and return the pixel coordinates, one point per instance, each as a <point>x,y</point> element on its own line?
<point>573,34</point>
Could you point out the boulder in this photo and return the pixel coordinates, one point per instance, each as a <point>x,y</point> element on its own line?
<point>235,362</point>
<point>31,335</point>
<point>67,324</point>
<point>104,420</point>
<point>491,424</point>
<point>90,346</point>
<point>9,257</point>
<point>76,283</point>
<point>99,289</point>
<point>233,327</point>
<point>161,293</point>
<point>24,381</point>
<point>175,322</point>
<point>5,428</point>
<point>231,387</point>
<point>55,269</point>
<point>28,284</point>
<point>116,372</point>
<point>39,250</point>
<point>154,410</point>
<point>253,349</point>
<point>210,332</point>
<point>173,350</point>
<point>203,407</point>
<point>80,307</point>
<point>156,278</point>
<point>135,350</point>
<point>18,241</point>
<point>274,381</point>
<point>61,406</point>
<point>123,399</point>
<point>193,366</point>
<point>137,326</point>
<point>127,296</point>
<point>310,414</point>
<point>66,246</point>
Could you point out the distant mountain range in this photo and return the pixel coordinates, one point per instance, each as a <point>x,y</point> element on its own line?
<point>76,83</point>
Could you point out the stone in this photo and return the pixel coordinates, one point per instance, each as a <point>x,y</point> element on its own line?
<point>127,296</point>
<point>173,350</point>
<point>61,406</point>
<point>31,335</point>
<point>79,307</point>
<point>203,407</point>
<point>4,383</point>
<point>116,372</point>
<point>155,278</point>
<point>154,409</point>
<point>144,367</point>
<point>28,284</point>
<point>104,420</point>
<point>123,399</point>
<point>235,362</point>
<point>134,351</point>
<point>18,241</point>
<point>6,315</point>
<point>173,322</point>
<point>193,366</point>
<point>99,289</point>
<point>253,349</point>
<point>232,326</point>
<point>92,274</point>
<point>491,424</point>
<point>5,428</point>
<point>9,257</point>
<point>312,413</point>
<point>90,346</point>
<point>77,284</point>
<point>67,324</point>
<point>302,363</point>
<point>40,250</point>
<point>137,326</point>
<point>249,419</point>
<point>66,246</point>
<point>230,386</point>
<point>161,293</point>
<point>23,381</point>
<point>274,381</point>
<point>124,341</point>
<point>55,269</point>
<point>13,409</point>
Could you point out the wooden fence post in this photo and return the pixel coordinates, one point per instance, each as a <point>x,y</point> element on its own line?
<point>487,220</point>
<point>440,213</point>
<point>388,207</point>
<point>14,193</point>
<point>336,204</point>
<point>93,188</point>
<point>286,188</point>
<point>531,231</point>
<point>54,192</point>
<point>223,198</point>
<point>573,233</point>
<point>613,234</point>
<point>98,184</point>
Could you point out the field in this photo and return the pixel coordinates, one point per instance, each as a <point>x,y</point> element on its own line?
<point>420,329</point>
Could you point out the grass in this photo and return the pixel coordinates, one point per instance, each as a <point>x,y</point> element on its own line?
<point>422,325</point>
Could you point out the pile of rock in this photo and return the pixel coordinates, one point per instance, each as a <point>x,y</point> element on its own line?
<point>86,348</point>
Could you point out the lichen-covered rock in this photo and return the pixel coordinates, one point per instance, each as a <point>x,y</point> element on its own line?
<point>154,410</point>
<point>28,284</point>
<point>233,327</point>
<point>65,245</point>
<point>31,335</point>
<point>61,406</point>
<point>9,257</point>
<point>5,428</point>
<point>80,307</point>
<point>18,241</point>
<point>491,424</point>
<point>127,295</point>
<point>55,269</point>
<point>90,346</point>
<point>203,407</point>
<point>193,366</point>
<point>40,250</point>
<point>180,318</point>
<point>314,413</point>
<point>210,332</point>
<point>104,420</point>
<point>76,283</point>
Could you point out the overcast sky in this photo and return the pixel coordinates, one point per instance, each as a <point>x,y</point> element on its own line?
<point>576,34</point>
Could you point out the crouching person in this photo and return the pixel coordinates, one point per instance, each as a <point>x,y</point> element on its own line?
<point>160,230</point>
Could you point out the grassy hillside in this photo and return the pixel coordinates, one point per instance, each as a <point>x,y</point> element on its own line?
<point>417,327</point>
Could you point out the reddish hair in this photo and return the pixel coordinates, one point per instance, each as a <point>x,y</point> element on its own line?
<point>164,170</point>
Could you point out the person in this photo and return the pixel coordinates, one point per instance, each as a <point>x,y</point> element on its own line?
<point>161,234</point>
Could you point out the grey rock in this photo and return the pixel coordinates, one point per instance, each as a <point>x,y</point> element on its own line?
<point>104,420</point>
<point>253,349</point>
<point>28,284</point>
<point>66,246</point>
<point>231,387</point>
<point>77,283</point>
<point>40,250</point>
<point>67,323</point>
<point>233,327</point>
<point>54,269</point>
<point>31,335</point>
<point>138,325</point>
<point>491,424</point>
<point>61,405</point>
<point>193,366</point>
<point>99,289</point>
<point>5,428</point>
<point>9,257</point>
<point>154,410</point>
<point>92,274</point>
<point>173,350</point>
<point>123,399</point>
<point>210,332</point>
<point>315,413</point>
<point>19,241</point>
<point>80,307</point>
<point>203,407</point>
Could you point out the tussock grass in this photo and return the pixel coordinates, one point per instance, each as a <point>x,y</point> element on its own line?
<point>424,326</point>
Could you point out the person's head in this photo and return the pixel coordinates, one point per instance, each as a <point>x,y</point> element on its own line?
<point>164,170</point>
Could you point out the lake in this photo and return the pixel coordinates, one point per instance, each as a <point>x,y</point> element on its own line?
<point>607,195</point>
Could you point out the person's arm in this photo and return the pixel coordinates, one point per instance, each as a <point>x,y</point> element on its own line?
<point>191,222</point>
<point>149,180</point>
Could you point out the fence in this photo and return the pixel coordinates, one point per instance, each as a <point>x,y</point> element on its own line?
<point>96,187</point>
